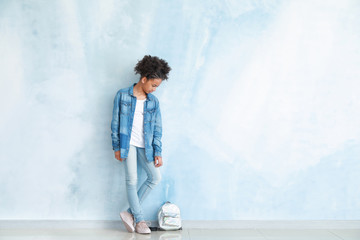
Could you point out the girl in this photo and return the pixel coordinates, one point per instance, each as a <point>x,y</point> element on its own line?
<point>136,136</point>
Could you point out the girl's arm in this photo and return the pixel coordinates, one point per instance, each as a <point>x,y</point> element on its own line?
<point>115,124</point>
<point>157,132</point>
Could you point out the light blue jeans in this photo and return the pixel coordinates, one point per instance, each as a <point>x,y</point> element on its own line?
<point>137,158</point>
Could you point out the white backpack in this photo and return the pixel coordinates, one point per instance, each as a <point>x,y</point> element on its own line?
<point>169,217</point>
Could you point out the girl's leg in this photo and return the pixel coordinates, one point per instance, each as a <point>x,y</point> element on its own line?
<point>153,176</point>
<point>131,184</point>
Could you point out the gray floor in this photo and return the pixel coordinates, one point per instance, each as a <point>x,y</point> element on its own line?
<point>209,234</point>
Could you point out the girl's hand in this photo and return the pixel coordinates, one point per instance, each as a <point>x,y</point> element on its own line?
<point>158,161</point>
<point>117,156</point>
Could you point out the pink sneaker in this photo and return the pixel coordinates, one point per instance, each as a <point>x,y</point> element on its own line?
<point>142,227</point>
<point>128,220</point>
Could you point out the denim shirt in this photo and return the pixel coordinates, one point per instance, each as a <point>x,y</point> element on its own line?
<point>122,121</point>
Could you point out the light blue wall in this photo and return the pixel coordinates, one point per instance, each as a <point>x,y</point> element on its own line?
<point>261,112</point>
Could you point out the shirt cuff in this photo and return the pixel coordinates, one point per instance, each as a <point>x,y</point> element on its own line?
<point>157,154</point>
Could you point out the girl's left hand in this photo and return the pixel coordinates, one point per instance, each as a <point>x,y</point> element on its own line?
<point>158,161</point>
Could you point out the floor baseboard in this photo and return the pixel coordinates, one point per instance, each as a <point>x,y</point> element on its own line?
<point>275,224</point>
<point>233,224</point>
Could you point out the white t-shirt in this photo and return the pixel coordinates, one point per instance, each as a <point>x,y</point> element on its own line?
<point>137,131</point>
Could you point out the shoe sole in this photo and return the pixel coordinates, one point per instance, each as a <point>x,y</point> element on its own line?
<point>127,226</point>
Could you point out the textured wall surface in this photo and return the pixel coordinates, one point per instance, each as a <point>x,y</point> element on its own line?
<point>260,114</point>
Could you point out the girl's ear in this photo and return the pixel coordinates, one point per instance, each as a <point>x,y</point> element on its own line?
<point>143,80</point>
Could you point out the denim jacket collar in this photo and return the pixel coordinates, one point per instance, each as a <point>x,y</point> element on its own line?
<point>131,93</point>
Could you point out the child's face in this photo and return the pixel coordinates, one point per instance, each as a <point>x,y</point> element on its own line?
<point>151,84</point>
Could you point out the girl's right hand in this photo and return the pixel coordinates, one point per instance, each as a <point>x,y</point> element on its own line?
<point>117,156</point>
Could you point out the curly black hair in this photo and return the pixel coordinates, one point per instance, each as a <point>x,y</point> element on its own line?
<point>152,67</point>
